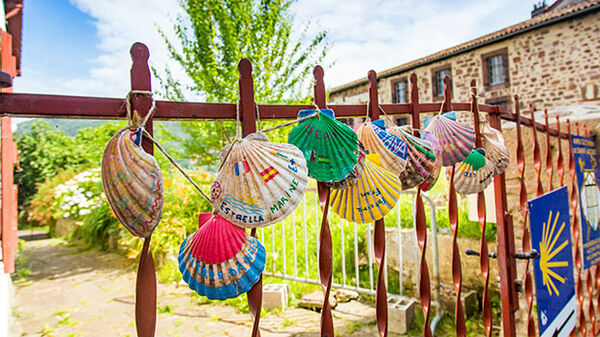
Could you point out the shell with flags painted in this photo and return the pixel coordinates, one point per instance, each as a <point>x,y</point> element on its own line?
<point>220,260</point>
<point>495,150</point>
<point>133,183</point>
<point>392,150</point>
<point>260,182</point>
<point>456,139</point>
<point>474,173</point>
<point>421,161</point>
<point>371,198</point>
<point>330,147</point>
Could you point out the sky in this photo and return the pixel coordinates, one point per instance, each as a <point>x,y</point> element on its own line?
<point>81,47</point>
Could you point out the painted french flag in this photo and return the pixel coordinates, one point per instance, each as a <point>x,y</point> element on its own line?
<point>242,165</point>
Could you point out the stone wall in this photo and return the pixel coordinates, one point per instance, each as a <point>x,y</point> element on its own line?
<point>551,66</point>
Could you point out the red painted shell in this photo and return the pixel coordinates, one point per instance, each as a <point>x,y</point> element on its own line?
<point>217,239</point>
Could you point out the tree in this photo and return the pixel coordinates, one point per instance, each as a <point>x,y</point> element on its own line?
<point>44,151</point>
<point>213,35</point>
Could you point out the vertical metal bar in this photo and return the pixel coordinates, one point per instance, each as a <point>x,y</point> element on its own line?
<point>273,252</point>
<point>305,237</point>
<point>248,117</point>
<point>506,262</point>
<point>145,290</point>
<point>526,244</point>
<point>484,259</point>
<point>575,230</point>
<point>560,165</point>
<point>317,232</point>
<point>325,249</point>
<point>284,250</point>
<point>342,224</point>
<point>295,246</point>
<point>379,230</point>
<point>537,161</point>
<point>549,168</point>
<point>589,282</point>
<point>400,260</point>
<point>356,269</point>
<point>370,255</point>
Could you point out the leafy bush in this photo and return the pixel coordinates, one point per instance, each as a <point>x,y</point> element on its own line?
<point>97,226</point>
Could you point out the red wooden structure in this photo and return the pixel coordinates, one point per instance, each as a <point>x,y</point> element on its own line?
<point>53,106</point>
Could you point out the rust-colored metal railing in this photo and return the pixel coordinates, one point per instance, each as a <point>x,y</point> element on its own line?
<point>54,106</point>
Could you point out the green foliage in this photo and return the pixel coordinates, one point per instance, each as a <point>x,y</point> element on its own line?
<point>212,36</point>
<point>98,225</point>
<point>43,152</point>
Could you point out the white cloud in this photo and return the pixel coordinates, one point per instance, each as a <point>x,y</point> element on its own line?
<point>365,35</point>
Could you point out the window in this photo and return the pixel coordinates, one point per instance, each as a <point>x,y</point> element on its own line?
<point>438,80</point>
<point>400,91</point>
<point>495,68</point>
<point>501,101</point>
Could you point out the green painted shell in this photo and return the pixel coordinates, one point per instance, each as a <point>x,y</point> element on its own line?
<point>329,146</point>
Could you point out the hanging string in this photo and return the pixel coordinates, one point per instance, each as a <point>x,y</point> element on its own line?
<point>238,126</point>
<point>257,116</point>
<point>179,168</point>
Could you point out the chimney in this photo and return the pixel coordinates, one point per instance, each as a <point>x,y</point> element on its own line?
<point>538,8</point>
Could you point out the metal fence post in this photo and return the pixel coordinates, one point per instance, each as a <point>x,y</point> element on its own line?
<point>248,119</point>
<point>378,229</point>
<point>325,246</point>
<point>145,290</point>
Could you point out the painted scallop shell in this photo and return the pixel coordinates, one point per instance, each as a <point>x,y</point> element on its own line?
<point>456,139</point>
<point>220,260</point>
<point>352,178</point>
<point>371,198</point>
<point>474,173</point>
<point>392,150</point>
<point>260,182</point>
<point>495,150</point>
<point>133,183</point>
<point>437,150</point>
<point>420,160</point>
<point>330,147</point>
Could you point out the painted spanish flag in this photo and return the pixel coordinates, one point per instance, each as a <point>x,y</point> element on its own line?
<point>269,173</point>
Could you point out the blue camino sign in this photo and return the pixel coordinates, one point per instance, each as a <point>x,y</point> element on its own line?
<point>587,169</point>
<point>551,237</point>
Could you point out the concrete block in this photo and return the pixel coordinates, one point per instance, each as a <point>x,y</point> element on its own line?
<point>275,296</point>
<point>64,226</point>
<point>401,314</point>
<point>470,302</point>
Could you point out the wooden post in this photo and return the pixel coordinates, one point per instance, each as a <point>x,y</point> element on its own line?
<point>248,119</point>
<point>145,292</point>
<point>378,229</point>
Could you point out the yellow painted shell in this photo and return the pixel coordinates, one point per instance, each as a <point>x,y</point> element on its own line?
<point>391,149</point>
<point>133,183</point>
<point>260,182</point>
<point>371,198</point>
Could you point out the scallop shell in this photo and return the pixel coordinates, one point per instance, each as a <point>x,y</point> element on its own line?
<point>456,139</point>
<point>421,158</point>
<point>133,183</point>
<point>391,149</point>
<point>371,198</point>
<point>474,173</point>
<point>495,150</point>
<point>437,150</point>
<point>260,182</point>
<point>220,260</point>
<point>330,147</point>
<point>352,178</point>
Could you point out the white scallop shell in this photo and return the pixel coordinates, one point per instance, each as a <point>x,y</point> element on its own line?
<point>260,182</point>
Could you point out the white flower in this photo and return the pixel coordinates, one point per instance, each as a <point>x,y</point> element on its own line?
<point>88,194</point>
<point>84,211</point>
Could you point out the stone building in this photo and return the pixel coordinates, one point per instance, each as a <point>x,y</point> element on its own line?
<point>552,60</point>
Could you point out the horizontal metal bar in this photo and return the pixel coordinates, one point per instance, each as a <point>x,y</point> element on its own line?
<point>510,116</point>
<point>82,107</point>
